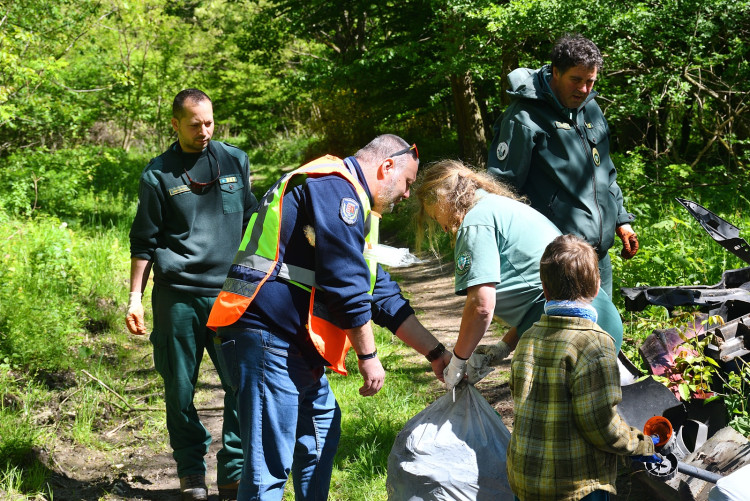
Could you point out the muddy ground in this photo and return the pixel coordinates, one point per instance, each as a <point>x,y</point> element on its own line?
<point>139,468</point>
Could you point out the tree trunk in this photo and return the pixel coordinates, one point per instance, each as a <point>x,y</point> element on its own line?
<point>471,137</point>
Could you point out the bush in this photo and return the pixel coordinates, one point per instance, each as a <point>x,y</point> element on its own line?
<point>77,185</point>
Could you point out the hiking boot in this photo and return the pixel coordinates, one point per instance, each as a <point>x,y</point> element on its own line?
<point>228,492</point>
<point>193,488</point>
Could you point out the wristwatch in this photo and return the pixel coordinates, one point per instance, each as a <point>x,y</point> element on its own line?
<point>435,353</point>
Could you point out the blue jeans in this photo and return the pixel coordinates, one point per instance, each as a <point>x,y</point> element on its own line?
<point>289,418</point>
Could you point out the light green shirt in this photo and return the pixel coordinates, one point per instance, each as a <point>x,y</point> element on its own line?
<point>501,241</point>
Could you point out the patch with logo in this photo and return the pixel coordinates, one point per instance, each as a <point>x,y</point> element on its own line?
<point>463,263</point>
<point>597,158</point>
<point>349,210</point>
<point>562,125</point>
<point>502,150</point>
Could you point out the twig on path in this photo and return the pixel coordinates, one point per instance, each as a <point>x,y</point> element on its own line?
<point>119,427</point>
<point>140,409</point>
<point>66,398</point>
<point>108,388</point>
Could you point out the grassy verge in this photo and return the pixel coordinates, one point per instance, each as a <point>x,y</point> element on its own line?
<point>69,374</point>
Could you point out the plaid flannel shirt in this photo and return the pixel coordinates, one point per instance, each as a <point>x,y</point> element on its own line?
<point>567,433</point>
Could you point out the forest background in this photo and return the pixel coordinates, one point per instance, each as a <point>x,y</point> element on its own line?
<point>85,101</point>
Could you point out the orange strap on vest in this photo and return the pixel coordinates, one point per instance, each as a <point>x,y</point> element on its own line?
<point>329,340</point>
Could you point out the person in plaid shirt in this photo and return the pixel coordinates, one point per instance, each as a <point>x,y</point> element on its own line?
<point>565,384</point>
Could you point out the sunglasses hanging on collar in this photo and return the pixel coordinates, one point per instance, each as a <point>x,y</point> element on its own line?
<point>198,186</point>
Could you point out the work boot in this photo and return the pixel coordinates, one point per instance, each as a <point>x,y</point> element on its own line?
<point>193,488</point>
<point>228,492</point>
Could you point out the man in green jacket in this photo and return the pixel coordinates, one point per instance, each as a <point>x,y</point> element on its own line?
<point>194,202</point>
<point>552,144</point>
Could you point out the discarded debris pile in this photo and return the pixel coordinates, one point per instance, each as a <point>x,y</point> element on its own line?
<point>698,447</point>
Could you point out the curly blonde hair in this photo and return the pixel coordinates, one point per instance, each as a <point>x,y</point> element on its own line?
<point>452,185</point>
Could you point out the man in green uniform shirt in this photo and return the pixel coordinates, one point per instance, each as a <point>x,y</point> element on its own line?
<point>552,144</point>
<point>194,202</point>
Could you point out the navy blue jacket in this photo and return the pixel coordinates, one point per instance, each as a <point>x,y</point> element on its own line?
<point>341,272</point>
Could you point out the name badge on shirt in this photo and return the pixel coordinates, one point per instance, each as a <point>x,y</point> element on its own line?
<point>228,179</point>
<point>178,189</point>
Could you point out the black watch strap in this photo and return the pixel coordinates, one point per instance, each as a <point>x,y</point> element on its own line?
<point>435,353</point>
<point>368,356</point>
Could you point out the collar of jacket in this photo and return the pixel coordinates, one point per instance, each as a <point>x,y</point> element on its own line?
<point>356,170</point>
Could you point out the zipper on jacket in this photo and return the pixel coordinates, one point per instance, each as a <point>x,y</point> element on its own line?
<point>587,152</point>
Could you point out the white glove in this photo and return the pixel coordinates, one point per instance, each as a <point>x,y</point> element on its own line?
<point>478,367</point>
<point>135,315</point>
<point>454,372</point>
<point>494,353</point>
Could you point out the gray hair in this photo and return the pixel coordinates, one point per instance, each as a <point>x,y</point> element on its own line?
<point>575,50</point>
<point>382,147</point>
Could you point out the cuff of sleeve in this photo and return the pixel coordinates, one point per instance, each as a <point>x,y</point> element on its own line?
<point>401,315</point>
<point>355,321</point>
<point>625,218</point>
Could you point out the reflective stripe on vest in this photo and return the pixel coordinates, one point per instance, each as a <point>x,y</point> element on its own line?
<point>259,251</point>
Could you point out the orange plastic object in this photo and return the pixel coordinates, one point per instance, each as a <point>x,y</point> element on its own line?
<point>659,426</point>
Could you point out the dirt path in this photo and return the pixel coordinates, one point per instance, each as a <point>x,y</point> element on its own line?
<point>133,470</point>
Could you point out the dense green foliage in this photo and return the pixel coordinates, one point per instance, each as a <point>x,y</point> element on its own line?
<point>85,100</point>
<point>98,72</point>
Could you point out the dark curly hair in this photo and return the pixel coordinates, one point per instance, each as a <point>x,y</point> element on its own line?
<point>575,50</point>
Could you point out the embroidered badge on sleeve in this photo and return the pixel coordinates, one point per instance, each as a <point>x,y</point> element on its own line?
<point>463,263</point>
<point>502,151</point>
<point>349,210</point>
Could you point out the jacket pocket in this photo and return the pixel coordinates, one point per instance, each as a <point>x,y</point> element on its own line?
<point>232,194</point>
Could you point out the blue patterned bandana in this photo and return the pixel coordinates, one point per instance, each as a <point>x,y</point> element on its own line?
<point>570,309</point>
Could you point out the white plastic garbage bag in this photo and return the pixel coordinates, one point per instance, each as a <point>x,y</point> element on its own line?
<point>391,256</point>
<point>733,487</point>
<point>451,451</point>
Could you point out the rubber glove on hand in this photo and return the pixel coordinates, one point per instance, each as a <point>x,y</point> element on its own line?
<point>654,458</point>
<point>495,353</point>
<point>134,318</point>
<point>629,241</point>
<point>454,372</point>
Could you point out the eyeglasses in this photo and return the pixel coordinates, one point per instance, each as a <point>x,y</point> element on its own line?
<point>411,149</point>
<point>198,186</point>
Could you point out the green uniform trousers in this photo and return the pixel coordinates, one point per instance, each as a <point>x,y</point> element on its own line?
<point>180,337</point>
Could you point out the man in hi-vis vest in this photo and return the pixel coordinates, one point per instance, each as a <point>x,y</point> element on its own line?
<point>301,291</point>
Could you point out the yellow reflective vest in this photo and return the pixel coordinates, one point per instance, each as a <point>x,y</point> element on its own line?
<point>259,250</point>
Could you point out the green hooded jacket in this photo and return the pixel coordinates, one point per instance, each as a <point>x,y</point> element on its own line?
<point>559,158</point>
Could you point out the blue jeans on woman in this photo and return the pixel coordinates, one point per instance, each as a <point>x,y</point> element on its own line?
<point>289,418</point>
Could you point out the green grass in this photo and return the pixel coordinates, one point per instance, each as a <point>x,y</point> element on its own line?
<point>64,282</point>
